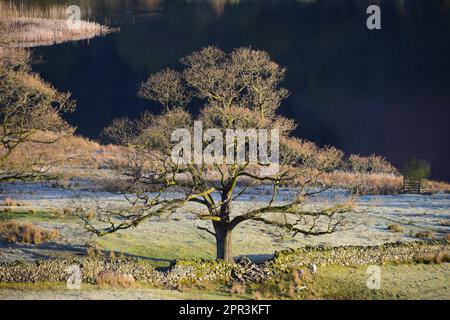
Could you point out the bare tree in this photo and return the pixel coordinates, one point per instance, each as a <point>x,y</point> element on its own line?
<point>371,164</point>
<point>240,90</point>
<point>166,87</point>
<point>245,77</point>
<point>120,131</point>
<point>30,114</point>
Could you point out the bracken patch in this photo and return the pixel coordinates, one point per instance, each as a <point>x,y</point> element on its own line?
<point>26,233</point>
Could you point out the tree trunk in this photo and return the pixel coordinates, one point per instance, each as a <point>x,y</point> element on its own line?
<point>223,242</point>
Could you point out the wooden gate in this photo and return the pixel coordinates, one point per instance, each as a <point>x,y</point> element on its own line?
<point>411,185</point>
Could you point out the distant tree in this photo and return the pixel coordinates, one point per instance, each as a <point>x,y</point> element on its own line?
<point>166,87</point>
<point>120,131</point>
<point>371,164</point>
<point>240,90</point>
<point>417,169</point>
<point>30,115</point>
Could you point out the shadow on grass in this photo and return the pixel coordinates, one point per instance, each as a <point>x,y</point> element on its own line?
<point>53,250</point>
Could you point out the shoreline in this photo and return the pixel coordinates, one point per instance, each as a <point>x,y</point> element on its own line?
<point>25,32</point>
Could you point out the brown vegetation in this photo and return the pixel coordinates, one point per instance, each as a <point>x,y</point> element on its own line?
<point>22,26</point>
<point>395,228</point>
<point>26,233</point>
<point>30,117</point>
<point>9,202</point>
<point>438,258</point>
<point>115,279</point>
<point>425,235</point>
<point>371,164</point>
<point>93,251</point>
<point>445,223</point>
<point>437,186</point>
<point>365,183</point>
<point>237,288</point>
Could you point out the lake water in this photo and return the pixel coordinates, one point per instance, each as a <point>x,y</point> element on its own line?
<point>385,91</point>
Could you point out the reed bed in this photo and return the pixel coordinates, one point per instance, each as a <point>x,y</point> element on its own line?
<point>11,10</point>
<point>30,26</point>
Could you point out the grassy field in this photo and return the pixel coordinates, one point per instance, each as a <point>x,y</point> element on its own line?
<point>178,237</point>
<point>160,242</point>
<point>397,282</point>
<point>408,281</point>
<point>50,291</point>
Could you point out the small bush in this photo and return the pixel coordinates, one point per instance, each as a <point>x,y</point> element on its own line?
<point>90,215</point>
<point>445,223</point>
<point>237,288</point>
<point>438,186</point>
<point>26,233</point>
<point>373,184</point>
<point>425,235</point>
<point>371,164</point>
<point>93,251</point>
<point>417,169</point>
<point>114,279</point>
<point>395,228</point>
<point>447,236</point>
<point>112,256</point>
<point>438,258</point>
<point>258,296</point>
<point>117,185</point>
<point>9,202</point>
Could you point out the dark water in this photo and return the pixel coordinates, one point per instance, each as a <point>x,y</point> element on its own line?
<point>384,92</point>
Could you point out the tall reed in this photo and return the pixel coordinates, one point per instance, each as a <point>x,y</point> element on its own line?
<point>28,25</point>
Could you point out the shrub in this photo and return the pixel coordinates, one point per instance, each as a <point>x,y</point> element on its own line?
<point>374,183</point>
<point>90,215</point>
<point>371,164</point>
<point>425,235</point>
<point>115,279</point>
<point>395,228</point>
<point>417,169</point>
<point>9,202</point>
<point>93,250</point>
<point>437,258</point>
<point>117,185</point>
<point>237,288</point>
<point>26,233</point>
<point>442,257</point>
<point>258,296</point>
<point>438,186</point>
<point>447,236</point>
<point>445,223</point>
<point>112,256</point>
